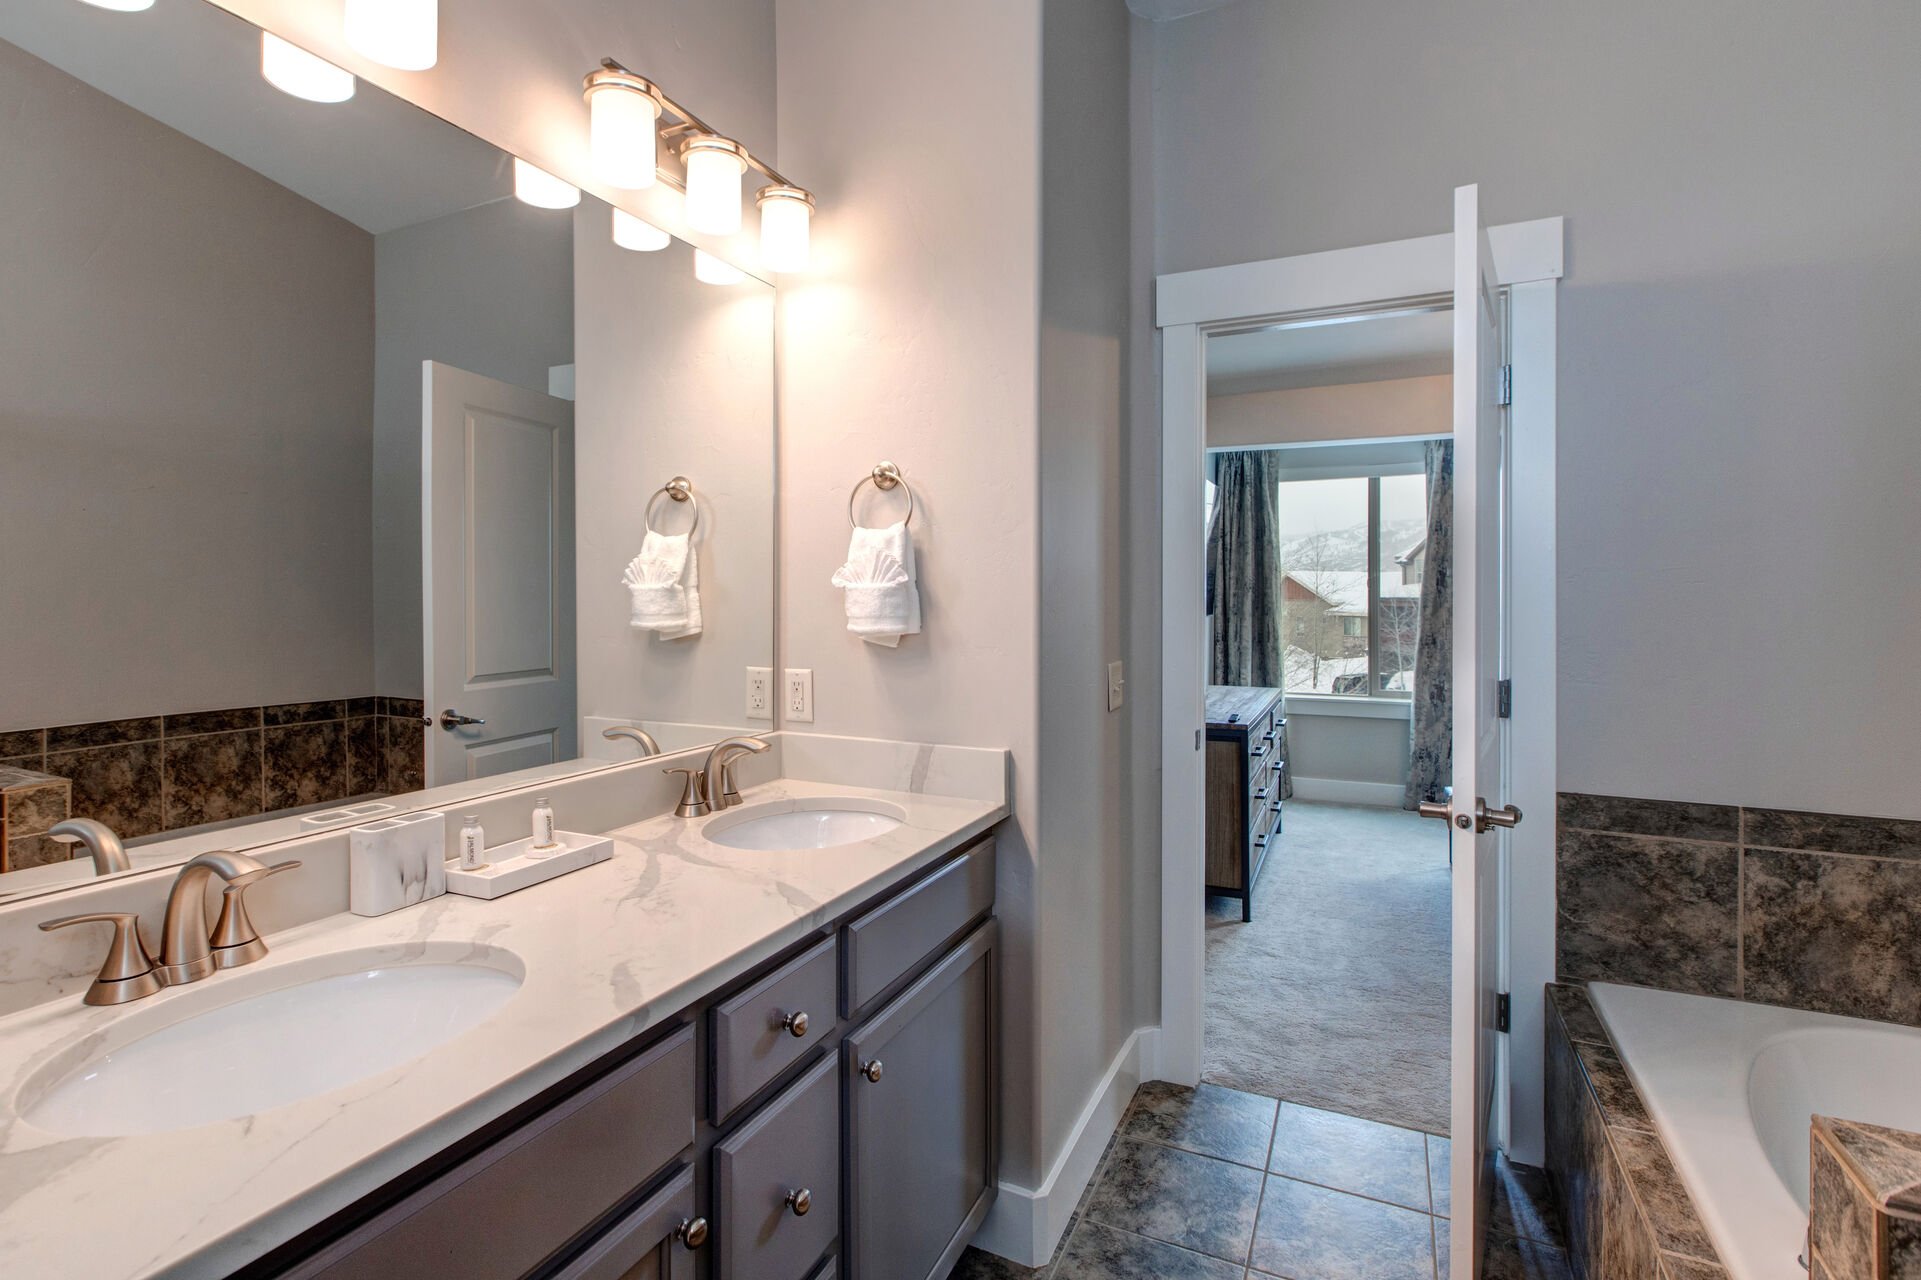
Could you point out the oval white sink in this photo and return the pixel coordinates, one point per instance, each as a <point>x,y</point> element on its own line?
<point>782,826</point>
<point>268,1047</point>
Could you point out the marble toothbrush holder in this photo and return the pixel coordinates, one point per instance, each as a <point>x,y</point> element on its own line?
<point>395,863</point>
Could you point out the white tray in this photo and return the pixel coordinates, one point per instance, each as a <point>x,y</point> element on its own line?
<point>509,868</point>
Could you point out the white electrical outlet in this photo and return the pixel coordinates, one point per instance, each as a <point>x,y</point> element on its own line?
<point>799,703</point>
<point>760,693</point>
<point>1116,686</point>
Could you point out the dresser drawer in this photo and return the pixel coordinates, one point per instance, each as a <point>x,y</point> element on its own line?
<point>507,1208</point>
<point>777,1183</point>
<point>755,1032</point>
<point>893,939</point>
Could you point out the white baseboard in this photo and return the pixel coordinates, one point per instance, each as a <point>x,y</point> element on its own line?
<point>1027,1223</point>
<point>1341,791</point>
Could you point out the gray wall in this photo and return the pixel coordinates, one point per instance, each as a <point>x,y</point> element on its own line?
<point>186,390</point>
<point>1348,748</point>
<point>489,290</point>
<point>1742,180</point>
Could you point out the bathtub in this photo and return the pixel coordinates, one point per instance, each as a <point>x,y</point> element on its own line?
<point>1731,1087</point>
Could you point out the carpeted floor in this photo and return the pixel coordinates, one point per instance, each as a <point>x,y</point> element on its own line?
<point>1337,994</point>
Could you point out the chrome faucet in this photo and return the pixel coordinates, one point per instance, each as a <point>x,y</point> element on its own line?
<point>188,950</point>
<point>649,745</point>
<point>721,791</point>
<point>108,853</point>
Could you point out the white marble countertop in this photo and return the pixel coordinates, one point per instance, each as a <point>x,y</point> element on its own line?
<point>608,951</point>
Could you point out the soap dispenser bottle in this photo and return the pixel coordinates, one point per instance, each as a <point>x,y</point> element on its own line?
<point>544,843</point>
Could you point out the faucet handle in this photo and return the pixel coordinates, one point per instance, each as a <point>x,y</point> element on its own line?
<point>127,974</point>
<point>235,941</point>
<point>693,794</point>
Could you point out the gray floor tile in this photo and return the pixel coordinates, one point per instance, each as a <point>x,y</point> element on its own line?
<point>1211,1120</point>
<point>1311,1233</point>
<point>1178,1197</point>
<point>975,1264</point>
<point>1095,1252</point>
<point>1440,1175</point>
<point>1351,1154</point>
<point>1523,1204</point>
<point>1443,1244</point>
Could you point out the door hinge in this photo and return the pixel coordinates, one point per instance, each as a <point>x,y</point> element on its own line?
<point>1504,699</point>
<point>1507,385</point>
<point>1503,1012</point>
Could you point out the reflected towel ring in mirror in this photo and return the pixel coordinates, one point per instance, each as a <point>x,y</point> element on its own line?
<point>680,489</point>
<point>883,477</point>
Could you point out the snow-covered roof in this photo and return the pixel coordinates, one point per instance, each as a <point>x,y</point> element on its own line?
<point>1345,590</point>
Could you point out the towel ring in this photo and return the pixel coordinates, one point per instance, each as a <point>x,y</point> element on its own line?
<point>883,477</point>
<point>680,489</point>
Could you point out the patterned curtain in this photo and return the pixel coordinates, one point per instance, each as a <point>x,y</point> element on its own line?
<point>1244,568</point>
<point>1432,766</point>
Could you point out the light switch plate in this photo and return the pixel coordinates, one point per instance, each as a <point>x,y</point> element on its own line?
<point>760,693</point>
<point>1116,686</point>
<point>798,705</point>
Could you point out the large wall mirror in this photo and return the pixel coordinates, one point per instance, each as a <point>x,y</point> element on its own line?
<point>311,432</point>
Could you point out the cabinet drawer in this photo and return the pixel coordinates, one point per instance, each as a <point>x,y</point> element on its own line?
<point>510,1206</point>
<point>892,939</point>
<point>754,1038</point>
<point>777,1183</point>
<point>654,1241</point>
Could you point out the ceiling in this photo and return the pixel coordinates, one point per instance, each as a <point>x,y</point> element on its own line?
<point>1162,10</point>
<point>1331,352</point>
<point>374,160</point>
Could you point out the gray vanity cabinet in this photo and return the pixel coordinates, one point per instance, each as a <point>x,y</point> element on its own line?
<point>922,1151</point>
<point>777,1183</point>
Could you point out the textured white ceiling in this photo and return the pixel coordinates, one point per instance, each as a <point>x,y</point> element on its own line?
<point>1364,350</point>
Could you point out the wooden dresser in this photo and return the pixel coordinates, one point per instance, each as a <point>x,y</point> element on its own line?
<point>1243,787</point>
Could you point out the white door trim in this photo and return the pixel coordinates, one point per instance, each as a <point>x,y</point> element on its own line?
<point>1191,304</point>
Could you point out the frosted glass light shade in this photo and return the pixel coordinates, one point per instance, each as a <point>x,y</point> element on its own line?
<point>291,69</point>
<point>621,135</point>
<point>122,6</point>
<point>537,187</point>
<point>714,169</point>
<point>711,270</point>
<point>403,34</point>
<point>637,233</point>
<point>786,218</point>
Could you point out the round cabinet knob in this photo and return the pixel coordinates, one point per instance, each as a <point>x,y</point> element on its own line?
<point>871,1070</point>
<point>693,1232</point>
<point>800,1201</point>
<point>796,1024</point>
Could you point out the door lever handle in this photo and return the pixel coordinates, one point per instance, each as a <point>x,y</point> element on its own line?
<point>1505,816</point>
<point>451,719</point>
<point>1435,809</point>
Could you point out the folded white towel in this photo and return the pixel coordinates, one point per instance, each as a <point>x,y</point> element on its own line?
<point>664,584</point>
<point>882,593</point>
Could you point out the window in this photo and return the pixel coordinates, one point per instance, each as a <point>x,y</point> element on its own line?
<point>1352,562</point>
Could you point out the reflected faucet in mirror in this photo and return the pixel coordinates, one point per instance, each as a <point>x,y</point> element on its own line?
<point>649,745</point>
<point>109,854</point>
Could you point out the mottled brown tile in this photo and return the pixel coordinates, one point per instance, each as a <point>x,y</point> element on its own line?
<point>1626,1249</point>
<point>1886,1162</point>
<point>1177,1197</point>
<point>1664,1199</point>
<point>1834,833</point>
<point>1678,1268</point>
<point>403,754</point>
<point>118,785</point>
<point>1351,1154</point>
<point>1312,1231</point>
<point>1613,1089</point>
<point>1522,1204</point>
<point>365,758</point>
<point>1904,1248</point>
<point>304,712</point>
<point>33,807</point>
<point>306,764</point>
<point>101,733</point>
<point>36,851</point>
<point>1839,935</point>
<point>1511,1258</point>
<point>1209,1119</point>
<point>1573,1143</point>
<point>21,743</point>
<point>213,777</point>
<point>1577,1013</point>
<point>229,720</point>
<point>1675,819</point>
<point>1649,912</point>
<point>405,708</point>
<point>1841,1222</point>
<point>367,706</point>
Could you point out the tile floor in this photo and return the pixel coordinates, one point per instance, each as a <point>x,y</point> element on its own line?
<point>1215,1184</point>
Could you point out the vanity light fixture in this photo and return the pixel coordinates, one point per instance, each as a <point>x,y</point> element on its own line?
<point>122,6</point>
<point>402,34</point>
<point>537,187</point>
<point>714,169</point>
<point>623,116</point>
<point>786,214</point>
<point>637,233</point>
<point>711,270</point>
<point>291,69</point>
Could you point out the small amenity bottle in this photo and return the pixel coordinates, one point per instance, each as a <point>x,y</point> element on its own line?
<point>473,844</point>
<point>544,842</point>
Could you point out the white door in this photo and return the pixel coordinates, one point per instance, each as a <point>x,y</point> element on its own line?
<point>497,528</point>
<point>1478,815</point>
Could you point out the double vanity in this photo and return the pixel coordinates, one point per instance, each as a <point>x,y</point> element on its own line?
<point>760,1043</point>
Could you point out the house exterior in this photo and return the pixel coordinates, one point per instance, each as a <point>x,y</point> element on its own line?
<point>1324,617</point>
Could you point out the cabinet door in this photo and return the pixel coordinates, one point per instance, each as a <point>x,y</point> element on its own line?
<point>655,1241</point>
<point>923,1133</point>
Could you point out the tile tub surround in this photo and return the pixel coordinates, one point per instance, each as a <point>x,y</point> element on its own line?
<point>608,951</point>
<point>1808,910</point>
<point>150,774</point>
<point>1864,1209</point>
<point>1624,1208</point>
<point>30,804</point>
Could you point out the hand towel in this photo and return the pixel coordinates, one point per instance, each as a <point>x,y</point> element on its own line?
<point>882,592</point>
<point>664,584</point>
